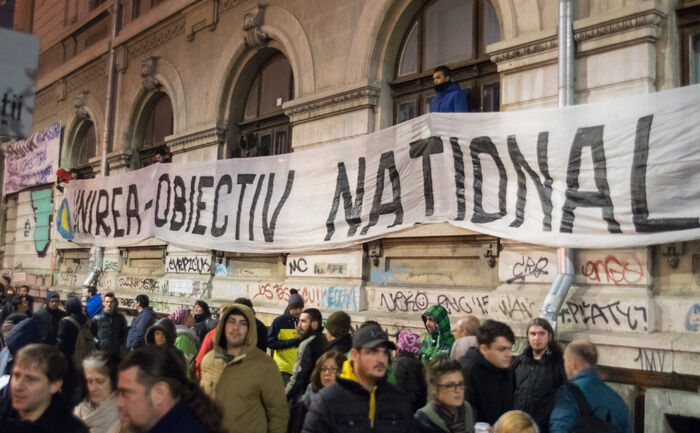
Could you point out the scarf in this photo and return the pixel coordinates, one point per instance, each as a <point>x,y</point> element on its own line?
<point>101,419</point>
<point>454,421</point>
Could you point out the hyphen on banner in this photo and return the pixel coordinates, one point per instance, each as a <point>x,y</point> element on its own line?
<point>623,173</point>
<point>19,57</point>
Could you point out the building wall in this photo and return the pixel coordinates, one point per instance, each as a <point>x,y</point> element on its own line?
<point>641,311</point>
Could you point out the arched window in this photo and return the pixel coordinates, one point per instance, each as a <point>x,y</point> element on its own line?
<point>264,129</point>
<point>157,125</point>
<point>453,33</point>
<point>85,148</point>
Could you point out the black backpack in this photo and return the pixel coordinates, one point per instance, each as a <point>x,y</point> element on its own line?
<point>588,422</point>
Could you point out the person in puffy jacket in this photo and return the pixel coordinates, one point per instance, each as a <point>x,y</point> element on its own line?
<point>449,97</point>
<point>145,318</point>
<point>539,372</point>
<point>282,337</point>
<point>109,327</point>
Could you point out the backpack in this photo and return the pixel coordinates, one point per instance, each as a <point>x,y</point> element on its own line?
<point>84,343</point>
<point>588,422</point>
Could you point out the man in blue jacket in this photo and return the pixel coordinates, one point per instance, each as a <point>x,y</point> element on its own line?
<point>449,97</point>
<point>143,320</point>
<point>580,358</point>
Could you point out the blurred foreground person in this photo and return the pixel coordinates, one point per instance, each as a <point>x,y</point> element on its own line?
<point>154,396</point>
<point>448,411</point>
<point>515,421</point>
<point>35,405</point>
<point>99,409</point>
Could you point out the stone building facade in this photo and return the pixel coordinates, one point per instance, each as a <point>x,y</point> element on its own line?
<point>213,79</point>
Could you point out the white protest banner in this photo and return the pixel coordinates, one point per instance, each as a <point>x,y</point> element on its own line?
<point>33,161</point>
<point>616,174</point>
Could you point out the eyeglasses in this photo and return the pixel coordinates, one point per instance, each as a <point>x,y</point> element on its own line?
<point>333,370</point>
<point>452,386</point>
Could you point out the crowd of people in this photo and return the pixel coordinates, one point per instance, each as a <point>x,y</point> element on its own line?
<point>79,367</point>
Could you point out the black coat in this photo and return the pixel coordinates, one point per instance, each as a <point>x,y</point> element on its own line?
<point>72,388</point>
<point>410,378</point>
<point>341,344</point>
<point>57,418</point>
<point>307,361</point>
<point>48,322</point>
<point>344,408</point>
<point>536,382</point>
<point>110,330</point>
<point>489,388</point>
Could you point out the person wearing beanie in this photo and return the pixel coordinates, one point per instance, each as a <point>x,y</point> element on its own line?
<point>9,323</point>
<point>49,316</point>
<point>27,331</point>
<point>282,337</point>
<point>408,369</point>
<point>338,333</point>
<point>186,340</point>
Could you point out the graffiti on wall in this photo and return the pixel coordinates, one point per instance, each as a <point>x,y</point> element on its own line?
<point>334,297</point>
<point>43,209</point>
<point>620,268</point>
<point>614,315</point>
<point>692,318</point>
<point>189,265</point>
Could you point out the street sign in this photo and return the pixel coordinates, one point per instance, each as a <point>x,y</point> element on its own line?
<point>19,57</point>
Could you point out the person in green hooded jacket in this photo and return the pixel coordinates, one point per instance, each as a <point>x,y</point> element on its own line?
<point>439,339</point>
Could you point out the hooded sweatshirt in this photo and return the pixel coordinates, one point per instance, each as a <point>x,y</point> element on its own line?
<point>248,387</point>
<point>166,326</point>
<point>438,342</point>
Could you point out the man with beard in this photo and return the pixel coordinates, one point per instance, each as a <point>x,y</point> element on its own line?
<point>49,318</point>
<point>449,97</point>
<point>154,396</point>
<point>310,332</point>
<point>244,381</point>
<point>539,372</point>
<point>35,404</point>
<point>361,399</point>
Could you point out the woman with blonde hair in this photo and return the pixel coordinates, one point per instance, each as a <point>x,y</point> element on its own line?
<point>515,421</point>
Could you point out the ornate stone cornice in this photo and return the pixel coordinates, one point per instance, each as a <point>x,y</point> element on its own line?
<point>196,139</point>
<point>155,39</point>
<point>44,97</point>
<point>253,20</point>
<point>528,49</point>
<point>86,75</point>
<point>651,18</point>
<point>228,4</point>
<point>333,104</point>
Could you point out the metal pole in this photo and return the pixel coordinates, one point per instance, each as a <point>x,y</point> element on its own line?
<point>109,112</point>
<point>565,264</point>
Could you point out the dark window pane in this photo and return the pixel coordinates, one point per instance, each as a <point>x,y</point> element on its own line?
<point>87,143</point>
<point>281,142</point>
<point>409,55</point>
<point>695,59</point>
<point>251,106</point>
<point>491,32</point>
<point>276,78</point>
<point>264,145</point>
<point>491,98</point>
<point>406,111</point>
<point>163,119</point>
<point>448,34</point>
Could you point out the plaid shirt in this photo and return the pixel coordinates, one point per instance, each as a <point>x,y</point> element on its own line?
<point>440,341</point>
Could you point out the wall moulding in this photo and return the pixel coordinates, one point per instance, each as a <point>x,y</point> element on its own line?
<point>300,111</point>
<point>195,139</point>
